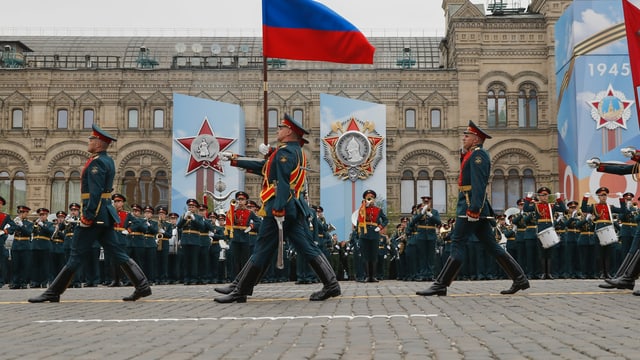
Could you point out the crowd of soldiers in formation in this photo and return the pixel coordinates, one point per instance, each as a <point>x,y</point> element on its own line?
<point>34,246</point>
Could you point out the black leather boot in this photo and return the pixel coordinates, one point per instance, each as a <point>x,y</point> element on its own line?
<point>57,287</point>
<point>515,273</point>
<point>444,279</point>
<point>325,273</point>
<point>138,279</point>
<point>229,288</point>
<point>371,272</point>
<point>627,280</point>
<point>246,280</point>
<point>623,267</point>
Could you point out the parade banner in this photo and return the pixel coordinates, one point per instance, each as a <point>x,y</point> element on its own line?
<point>353,158</point>
<point>202,129</point>
<point>596,107</point>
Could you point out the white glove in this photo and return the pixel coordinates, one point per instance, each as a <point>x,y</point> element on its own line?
<point>529,194</point>
<point>225,156</point>
<point>377,229</point>
<point>6,227</point>
<point>211,233</point>
<point>558,195</point>
<point>174,232</point>
<point>223,244</point>
<point>587,195</point>
<point>187,215</point>
<point>19,222</point>
<point>619,194</point>
<point>40,223</point>
<point>472,219</point>
<point>589,217</point>
<point>162,231</point>
<point>628,152</point>
<point>264,149</point>
<point>124,232</point>
<point>247,230</point>
<point>593,163</point>
<point>429,214</point>
<point>84,225</point>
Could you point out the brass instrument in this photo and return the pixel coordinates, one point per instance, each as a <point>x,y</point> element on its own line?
<point>233,202</point>
<point>160,235</point>
<point>189,216</point>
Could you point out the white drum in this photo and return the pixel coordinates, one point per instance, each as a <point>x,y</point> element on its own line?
<point>607,235</point>
<point>548,237</point>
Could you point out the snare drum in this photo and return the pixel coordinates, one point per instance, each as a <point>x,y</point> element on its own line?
<point>548,237</point>
<point>607,235</point>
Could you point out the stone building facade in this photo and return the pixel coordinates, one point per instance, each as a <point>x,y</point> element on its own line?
<point>497,70</point>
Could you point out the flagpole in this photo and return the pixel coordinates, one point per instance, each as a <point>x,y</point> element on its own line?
<point>265,103</point>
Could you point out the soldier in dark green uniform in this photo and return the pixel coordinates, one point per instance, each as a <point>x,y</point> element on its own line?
<point>5,224</point>
<point>284,177</point>
<point>189,227</point>
<point>165,228</point>
<point>472,211</point>
<point>571,248</point>
<point>426,221</point>
<point>96,223</point>
<point>136,227</point>
<point>72,221</point>
<point>150,246</point>
<point>41,249</point>
<point>57,245</point>
<point>21,229</point>
<point>122,239</point>
<point>371,221</point>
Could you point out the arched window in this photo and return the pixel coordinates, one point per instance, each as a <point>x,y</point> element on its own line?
<point>17,121</point>
<point>506,190</point>
<point>273,118</point>
<point>129,187</point>
<point>158,118</point>
<point>62,119</point>
<point>298,116</point>
<point>413,188</point>
<point>64,191</point>
<point>19,189</point>
<point>498,201</point>
<point>436,121</point>
<point>528,181</point>
<point>133,122</point>
<point>162,192</point>
<point>527,107</point>
<point>5,190</point>
<point>146,189</point>
<point>496,107</point>
<point>410,118</point>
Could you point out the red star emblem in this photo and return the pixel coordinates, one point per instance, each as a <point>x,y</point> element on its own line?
<point>609,109</point>
<point>194,164</point>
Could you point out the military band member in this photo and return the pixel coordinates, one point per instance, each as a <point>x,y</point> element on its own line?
<point>472,211</point>
<point>175,269</point>
<point>570,258</point>
<point>136,228</point>
<point>240,221</point>
<point>284,177</point>
<point>189,225</point>
<point>520,222</point>
<point>71,223</point>
<point>603,218</point>
<point>216,259</point>
<point>586,246</point>
<point>21,248</point>
<point>41,249</point>
<point>544,213</point>
<point>150,246</point>
<point>425,221</point>
<point>204,272</point>
<point>165,229</point>
<point>122,239</point>
<point>371,222</point>
<point>96,223</point>
<point>5,224</point>
<point>57,244</point>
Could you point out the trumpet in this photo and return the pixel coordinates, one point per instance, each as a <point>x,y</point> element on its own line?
<point>189,215</point>
<point>233,202</point>
<point>369,201</point>
<point>70,220</point>
<point>18,221</point>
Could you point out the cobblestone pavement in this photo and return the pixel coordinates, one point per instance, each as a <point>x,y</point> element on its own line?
<point>554,319</point>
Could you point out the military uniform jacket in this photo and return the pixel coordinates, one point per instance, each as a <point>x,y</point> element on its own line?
<point>544,212</point>
<point>96,184</point>
<point>370,218</point>
<point>189,230</point>
<point>284,177</point>
<point>150,232</point>
<point>426,225</point>
<point>627,222</point>
<point>168,229</point>
<point>603,211</point>
<point>41,239</point>
<point>4,221</point>
<point>208,227</point>
<point>22,235</point>
<point>243,218</point>
<point>472,183</point>
<point>120,226</point>
<point>68,235</point>
<point>136,228</point>
<point>57,239</point>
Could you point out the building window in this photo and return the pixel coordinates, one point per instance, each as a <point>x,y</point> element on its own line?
<point>132,119</point>
<point>436,121</point>
<point>87,118</point>
<point>64,191</point>
<point>527,107</point>
<point>496,107</point>
<point>13,189</point>
<point>410,119</point>
<point>273,118</point>
<point>506,190</point>
<point>413,188</point>
<point>63,119</point>
<point>17,121</point>
<point>158,118</point>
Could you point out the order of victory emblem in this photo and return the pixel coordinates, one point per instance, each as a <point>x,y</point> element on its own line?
<point>353,149</point>
<point>610,109</point>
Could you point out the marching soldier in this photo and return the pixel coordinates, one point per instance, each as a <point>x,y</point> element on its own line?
<point>425,221</point>
<point>165,229</point>
<point>190,225</point>
<point>41,249</point>
<point>371,221</point>
<point>21,229</point>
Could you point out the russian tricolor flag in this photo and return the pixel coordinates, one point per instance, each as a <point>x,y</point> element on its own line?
<point>308,30</point>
